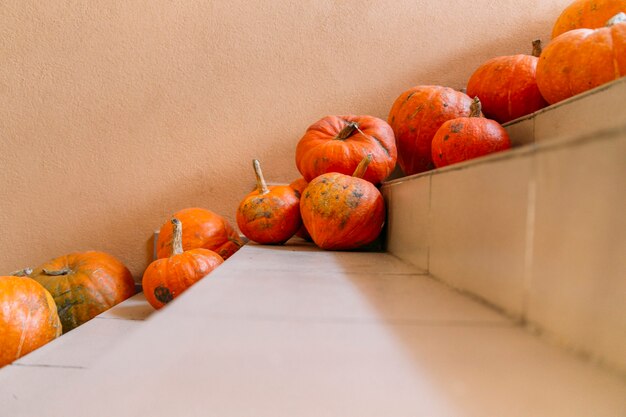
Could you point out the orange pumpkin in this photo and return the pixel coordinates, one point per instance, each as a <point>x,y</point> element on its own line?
<point>28,317</point>
<point>167,278</point>
<point>582,59</point>
<point>339,143</point>
<point>299,185</point>
<point>587,14</point>
<point>507,86</point>
<point>341,211</point>
<point>415,117</point>
<point>203,229</point>
<point>466,138</point>
<point>269,215</point>
<point>84,284</point>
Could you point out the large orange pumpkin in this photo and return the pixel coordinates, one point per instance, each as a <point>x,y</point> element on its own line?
<point>28,317</point>
<point>84,284</point>
<point>507,86</point>
<point>466,138</point>
<point>203,229</point>
<point>165,279</point>
<point>415,117</point>
<point>343,212</point>
<point>339,143</point>
<point>269,215</point>
<point>300,185</point>
<point>582,59</point>
<point>587,14</point>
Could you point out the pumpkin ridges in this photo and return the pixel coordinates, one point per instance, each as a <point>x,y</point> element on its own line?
<point>78,295</point>
<point>28,317</point>
<point>166,278</point>
<point>321,151</point>
<point>564,71</point>
<point>586,14</point>
<point>204,229</point>
<point>416,115</point>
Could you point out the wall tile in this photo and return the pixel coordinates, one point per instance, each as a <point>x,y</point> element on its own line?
<point>578,288</point>
<point>478,221</point>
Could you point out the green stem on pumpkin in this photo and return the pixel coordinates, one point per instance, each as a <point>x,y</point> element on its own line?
<point>618,18</point>
<point>475,108</point>
<point>537,48</point>
<point>260,181</point>
<point>56,273</point>
<point>177,237</point>
<point>22,272</point>
<point>347,130</point>
<point>359,172</point>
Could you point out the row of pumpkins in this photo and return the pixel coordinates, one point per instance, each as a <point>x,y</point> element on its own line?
<point>342,159</point>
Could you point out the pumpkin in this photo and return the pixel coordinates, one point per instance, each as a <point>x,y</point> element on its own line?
<point>269,215</point>
<point>507,86</point>
<point>203,229</point>
<point>587,14</point>
<point>339,143</point>
<point>84,284</point>
<point>343,212</point>
<point>166,278</point>
<point>466,138</point>
<point>415,117</point>
<point>299,185</point>
<point>582,59</point>
<point>28,317</point>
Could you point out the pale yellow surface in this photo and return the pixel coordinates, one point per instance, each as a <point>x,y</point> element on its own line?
<point>114,114</point>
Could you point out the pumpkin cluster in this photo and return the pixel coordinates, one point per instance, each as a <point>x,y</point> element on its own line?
<point>342,160</point>
<point>336,203</point>
<point>39,304</point>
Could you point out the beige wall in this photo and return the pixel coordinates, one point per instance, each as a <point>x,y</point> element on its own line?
<point>116,113</point>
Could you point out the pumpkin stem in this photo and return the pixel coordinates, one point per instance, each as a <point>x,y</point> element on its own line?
<point>362,167</point>
<point>618,18</point>
<point>475,108</point>
<point>347,130</point>
<point>260,181</point>
<point>22,272</point>
<point>177,237</point>
<point>56,273</point>
<point>537,48</point>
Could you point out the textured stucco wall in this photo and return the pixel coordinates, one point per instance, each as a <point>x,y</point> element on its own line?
<point>115,113</point>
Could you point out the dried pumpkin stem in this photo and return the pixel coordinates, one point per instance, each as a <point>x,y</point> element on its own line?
<point>537,48</point>
<point>56,273</point>
<point>359,172</point>
<point>475,108</point>
<point>347,131</point>
<point>22,272</point>
<point>177,237</point>
<point>618,18</point>
<point>260,181</point>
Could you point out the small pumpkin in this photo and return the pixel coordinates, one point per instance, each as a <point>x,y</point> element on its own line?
<point>582,59</point>
<point>300,185</point>
<point>415,117</point>
<point>269,215</point>
<point>84,284</point>
<point>343,212</point>
<point>28,317</point>
<point>466,138</point>
<point>167,278</point>
<point>203,229</point>
<point>339,143</point>
<point>587,14</point>
<point>507,86</point>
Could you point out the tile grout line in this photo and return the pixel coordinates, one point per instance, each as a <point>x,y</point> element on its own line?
<point>41,365</point>
<point>529,244</point>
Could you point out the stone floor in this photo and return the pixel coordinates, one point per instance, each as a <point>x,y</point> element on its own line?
<point>295,331</point>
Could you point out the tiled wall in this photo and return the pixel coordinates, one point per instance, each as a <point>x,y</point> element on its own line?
<point>538,231</point>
